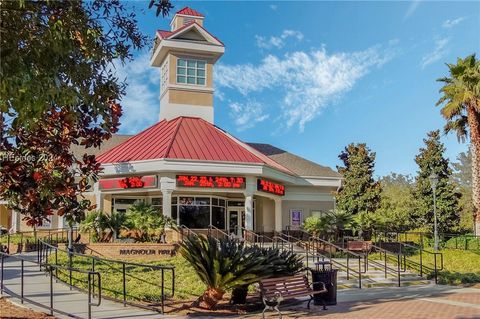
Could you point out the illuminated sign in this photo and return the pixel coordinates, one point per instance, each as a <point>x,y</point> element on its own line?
<point>210,181</point>
<point>128,182</point>
<point>270,187</point>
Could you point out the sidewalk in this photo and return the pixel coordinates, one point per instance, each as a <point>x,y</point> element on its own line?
<point>37,288</point>
<point>412,302</point>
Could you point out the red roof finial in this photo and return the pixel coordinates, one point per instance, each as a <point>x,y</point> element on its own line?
<point>189,12</point>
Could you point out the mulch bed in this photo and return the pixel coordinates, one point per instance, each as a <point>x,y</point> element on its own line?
<point>10,311</point>
<point>224,308</point>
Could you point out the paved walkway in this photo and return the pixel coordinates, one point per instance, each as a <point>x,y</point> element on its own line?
<point>413,302</point>
<point>37,288</point>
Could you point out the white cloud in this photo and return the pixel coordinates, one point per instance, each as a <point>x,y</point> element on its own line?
<point>278,42</point>
<point>274,7</point>
<point>246,115</point>
<point>305,82</point>
<point>411,9</point>
<point>438,52</point>
<point>447,24</point>
<point>141,102</point>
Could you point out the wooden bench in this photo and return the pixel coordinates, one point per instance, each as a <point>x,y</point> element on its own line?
<point>359,246</point>
<point>274,290</point>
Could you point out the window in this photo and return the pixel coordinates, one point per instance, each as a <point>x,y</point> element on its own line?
<point>199,212</point>
<point>157,203</point>
<point>188,20</point>
<point>191,71</point>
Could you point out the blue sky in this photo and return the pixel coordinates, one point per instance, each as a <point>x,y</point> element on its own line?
<point>312,77</point>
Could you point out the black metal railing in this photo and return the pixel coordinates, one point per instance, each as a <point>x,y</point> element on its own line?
<point>321,249</point>
<point>425,239</point>
<point>48,254</point>
<point>26,240</point>
<point>408,251</point>
<point>217,232</point>
<point>50,269</point>
<point>385,256</point>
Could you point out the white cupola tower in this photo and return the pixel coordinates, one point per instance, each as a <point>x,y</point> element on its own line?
<point>186,56</point>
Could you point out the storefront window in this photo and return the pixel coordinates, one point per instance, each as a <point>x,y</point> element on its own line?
<point>199,212</point>
<point>195,216</point>
<point>174,212</point>
<point>218,217</point>
<point>157,203</point>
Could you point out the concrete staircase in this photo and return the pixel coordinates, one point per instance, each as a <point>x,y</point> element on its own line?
<point>374,276</point>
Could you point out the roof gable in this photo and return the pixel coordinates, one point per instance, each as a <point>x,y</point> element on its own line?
<point>194,30</point>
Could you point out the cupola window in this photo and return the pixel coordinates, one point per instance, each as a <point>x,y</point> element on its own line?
<point>190,71</point>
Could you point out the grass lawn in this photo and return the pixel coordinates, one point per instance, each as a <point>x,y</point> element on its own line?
<point>141,283</point>
<point>459,266</point>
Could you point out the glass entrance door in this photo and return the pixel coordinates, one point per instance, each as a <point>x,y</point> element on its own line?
<point>236,220</point>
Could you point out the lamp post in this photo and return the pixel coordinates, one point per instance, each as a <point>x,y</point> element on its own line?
<point>433,182</point>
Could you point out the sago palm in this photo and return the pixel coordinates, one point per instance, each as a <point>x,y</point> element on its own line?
<point>225,264</point>
<point>460,103</point>
<point>221,265</point>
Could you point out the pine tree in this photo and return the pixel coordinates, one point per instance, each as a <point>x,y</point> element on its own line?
<point>360,192</point>
<point>431,160</point>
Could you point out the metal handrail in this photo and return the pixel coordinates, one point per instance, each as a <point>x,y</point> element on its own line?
<point>444,237</point>
<point>188,230</point>
<point>258,239</point>
<point>45,250</point>
<point>313,243</point>
<point>49,233</point>
<point>217,230</point>
<point>50,269</point>
<point>420,265</point>
<point>387,269</point>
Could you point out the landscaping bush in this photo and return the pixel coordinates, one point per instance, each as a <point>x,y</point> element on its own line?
<point>330,225</point>
<point>142,222</point>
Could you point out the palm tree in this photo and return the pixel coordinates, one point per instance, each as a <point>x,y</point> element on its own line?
<point>460,103</point>
<point>148,223</point>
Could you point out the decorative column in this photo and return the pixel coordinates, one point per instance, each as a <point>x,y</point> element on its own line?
<point>98,197</point>
<point>167,202</point>
<point>249,211</point>
<point>15,221</point>
<point>250,187</point>
<point>278,215</point>
<point>167,186</point>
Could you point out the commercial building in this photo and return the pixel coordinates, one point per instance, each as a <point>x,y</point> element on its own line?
<point>194,171</point>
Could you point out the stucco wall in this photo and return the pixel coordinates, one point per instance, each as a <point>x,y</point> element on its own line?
<point>190,98</point>
<point>264,214</point>
<point>4,217</point>
<point>306,206</point>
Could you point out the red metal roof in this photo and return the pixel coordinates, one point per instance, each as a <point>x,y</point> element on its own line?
<point>164,34</point>
<point>190,12</point>
<point>186,138</point>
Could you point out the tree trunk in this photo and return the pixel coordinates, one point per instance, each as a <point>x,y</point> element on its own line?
<point>474,124</point>
<point>210,298</point>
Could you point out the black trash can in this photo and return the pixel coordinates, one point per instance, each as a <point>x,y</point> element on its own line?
<point>328,276</point>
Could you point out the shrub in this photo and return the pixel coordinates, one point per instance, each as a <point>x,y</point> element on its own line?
<point>147,223</point>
